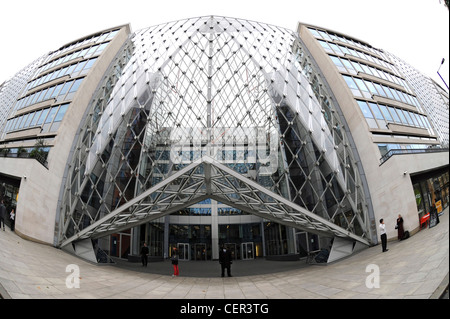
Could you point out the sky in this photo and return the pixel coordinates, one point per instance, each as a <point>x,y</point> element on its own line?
<point>417,31</point>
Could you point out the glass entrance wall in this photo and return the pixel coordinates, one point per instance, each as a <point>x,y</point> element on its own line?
<point>276,239</point>
<point>155,239</point>
<point>184,251</point>
<point>198,237</point>
<point>247,251</point>
<point>430,188</point>
<point>238,234</point>
<point>200,252</point>
<point>9,193</point>
<point>250,100</point>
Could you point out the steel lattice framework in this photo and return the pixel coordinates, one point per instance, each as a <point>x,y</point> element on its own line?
<point>212,107</point>
<point>206,178</point>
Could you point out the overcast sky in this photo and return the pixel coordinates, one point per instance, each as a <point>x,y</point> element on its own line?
<point>417,31</point>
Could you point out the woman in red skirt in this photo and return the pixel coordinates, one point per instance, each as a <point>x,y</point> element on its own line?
<point>176,272</point>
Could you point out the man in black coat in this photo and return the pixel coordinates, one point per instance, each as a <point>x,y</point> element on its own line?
<point>144,255</point>
<point>2,214</point>
<point>225,260</point>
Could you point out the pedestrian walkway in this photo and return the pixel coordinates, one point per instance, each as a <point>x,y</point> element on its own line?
<point>413,268</point>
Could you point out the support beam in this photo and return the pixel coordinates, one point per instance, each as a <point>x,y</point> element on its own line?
<point>219,182</point>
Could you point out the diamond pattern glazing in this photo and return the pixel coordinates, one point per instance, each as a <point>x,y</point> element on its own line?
<point>212,107</point>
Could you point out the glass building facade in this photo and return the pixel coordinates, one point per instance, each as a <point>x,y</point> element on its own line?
<point>402,112</point>
<point>382,92</point>
<point>433,96</point>
<point>212,131</point>
<point>47,87</point>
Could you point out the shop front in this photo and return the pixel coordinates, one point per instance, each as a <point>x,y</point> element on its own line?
<point>431,188</point>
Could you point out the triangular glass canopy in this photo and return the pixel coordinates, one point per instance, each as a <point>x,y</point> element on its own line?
<point>219,108</point>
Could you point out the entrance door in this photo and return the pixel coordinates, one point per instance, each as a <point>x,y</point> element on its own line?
<point>120,245</point>
<point>247,251</point>
<point>183,251</point>
<point>200,252</point>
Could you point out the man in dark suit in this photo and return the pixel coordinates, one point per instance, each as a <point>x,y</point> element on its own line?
<point>225,260</point>
<point>2,214</point>
<point>144,255</point>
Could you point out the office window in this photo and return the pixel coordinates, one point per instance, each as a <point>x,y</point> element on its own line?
<point>314,33</point>
<point>352,85</point>
<point>378,115</point>
<point>8,124</point>
<point>413,117</point>
<point>408,117</point>
<point>357,66</point>
<point>76,85</point>
<point>394,114</point>
<point>336,48</point>
<point>49,92</point>
<point>363,88</point>
<point>371,87</point>
<point>325,35</point>
<point>402,117</point>
<point>71,69</point>
<point>51,115</point>
<point>349,66</point>
<point>24,120</point>
<point>64,90</point>
<point>89,64</point>
<point>386,113</point>
<point>62,110</point>
<point>376,111</point>
<point>17,124</point>
<point>79,67</point>
<point>13,124</point>
<point>30,118</point>
<point>325,46</point>
<point>338,63</point>
<point>388,92</point>
<point>368,114</point>
<point>35,118</point>
<point>43,116</point>
<point>365,109</point>
<point>41,96</point>
<point>101,48</point>
<point>380,89</point>
<point>57,90</point>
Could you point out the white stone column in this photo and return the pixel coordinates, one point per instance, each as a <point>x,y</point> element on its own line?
<point>214,230</point>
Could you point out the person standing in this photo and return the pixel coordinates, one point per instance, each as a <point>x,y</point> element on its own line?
<point>174,258</point>
<point>144,255</point>
<point>2,214</point>
<point>225,260</point>
<point>434,213</point>
<point>383,235</point>
<point>399,227</point>
<point>12,217</point>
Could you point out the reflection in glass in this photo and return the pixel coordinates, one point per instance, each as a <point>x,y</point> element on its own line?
<point>242,93</point>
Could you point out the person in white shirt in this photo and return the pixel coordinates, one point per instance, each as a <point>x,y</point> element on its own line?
<point>383,235</point>
<point>12,217</point>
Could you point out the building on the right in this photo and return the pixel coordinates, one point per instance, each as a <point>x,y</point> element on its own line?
<point>432,96</point>
<point>398,119</point>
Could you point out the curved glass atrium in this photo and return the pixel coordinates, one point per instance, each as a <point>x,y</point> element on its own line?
<point>214,121</point>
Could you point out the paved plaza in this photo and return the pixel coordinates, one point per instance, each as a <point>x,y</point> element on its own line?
<point>414,268</point>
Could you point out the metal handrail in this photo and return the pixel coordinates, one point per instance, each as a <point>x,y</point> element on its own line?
<point>37,156</point>
<point>392,152</point>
